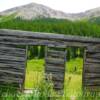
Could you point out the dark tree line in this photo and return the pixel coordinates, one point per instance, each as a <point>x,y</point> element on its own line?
<point>39,52</point>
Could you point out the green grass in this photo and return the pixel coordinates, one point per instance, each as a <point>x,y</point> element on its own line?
<point>72,86</point>
<point>73,77</point>
<point>35,65</point>
<point>35,72</point>
<point>42,89</point>
<point>74,66</point>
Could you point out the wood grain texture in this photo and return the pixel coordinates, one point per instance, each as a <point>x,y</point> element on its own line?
<point>92,68</point>
<point>36,38</point>
<point>26,34</point>
<point>55,65</point>
<point>12,65</point>
<point>12,58</point>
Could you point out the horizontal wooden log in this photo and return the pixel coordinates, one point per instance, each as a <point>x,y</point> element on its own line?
<point>92,68</point>
<point>10,39</point>
<point>95,47</point>
<point>12,53</point>
<point>15,54</point>
<point>58,65</point>
<point>6,74</point>
<point>25,42</point>
<point>11,47</point>
<point>11,77</point>
<point>43,42</point>
<point>56,55</point>
<point>93,55</point>
<point>92,85</point>
<point>56,52</point>
<point>63,47</point>
<point>7,80</point>
<point>92,51</point>
<point>55,74</point>
<point>54,61</point>
<point>12,69</point>
<point>14,63</point>
<point>29,41</point>
<point>92,75</point>
<point>92,60</point>
<point>26,34</point>
<point>91,63</point>
<point>12,58</point>
<point>56,48</point>
<point>12,72</point>
<point>55,69</point>
<point>9,66</point>
<point>92,81</point>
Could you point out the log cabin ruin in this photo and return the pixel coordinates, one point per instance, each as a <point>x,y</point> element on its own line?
<point>13,58</point>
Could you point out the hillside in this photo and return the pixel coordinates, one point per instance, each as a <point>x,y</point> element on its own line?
<point>33,10</point>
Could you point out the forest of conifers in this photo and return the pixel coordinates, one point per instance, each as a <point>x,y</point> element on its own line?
<point>90,28</point>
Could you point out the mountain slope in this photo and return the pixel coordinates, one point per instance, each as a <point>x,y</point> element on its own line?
<point>33,10</point>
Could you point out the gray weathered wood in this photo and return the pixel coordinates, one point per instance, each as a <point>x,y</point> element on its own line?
<point>16,33</point>
<point>12,64</point>
<point>92,67</point>
<point>13,59</point>
<point>55,65</point>
<point>34,38</point>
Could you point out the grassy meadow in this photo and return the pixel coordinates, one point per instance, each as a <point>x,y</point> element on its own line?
<point>41,90</point>
<point>35,73</point>
<point>35,80</point>
<point>73,79</point>
<point>35,70</point>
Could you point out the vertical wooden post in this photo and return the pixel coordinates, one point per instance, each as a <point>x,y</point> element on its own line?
<point>83,71</point>
<point>55,61</point>
<point>23,85</point>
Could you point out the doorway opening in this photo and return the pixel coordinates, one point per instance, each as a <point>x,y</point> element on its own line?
<point>35,70</point>
<point>35,66</point>
<point>74,71</point>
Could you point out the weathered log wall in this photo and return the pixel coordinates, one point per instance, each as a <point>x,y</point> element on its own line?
<point>32,38</point>
<point>55,60</point>
<point>91,72</point>
<point>12,65</point>
<point>12,59</point>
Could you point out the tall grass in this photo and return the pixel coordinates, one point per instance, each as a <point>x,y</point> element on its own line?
<point>43,90</point>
